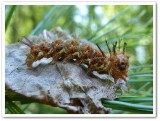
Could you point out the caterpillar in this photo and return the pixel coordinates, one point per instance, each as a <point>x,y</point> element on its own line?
<point>114,63</point>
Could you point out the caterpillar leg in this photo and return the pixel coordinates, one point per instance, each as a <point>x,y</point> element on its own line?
<point>90,69</point>
<point>59,55</point>
<point>75,55</point>
<point>68,58</point>
<point>53,61</point>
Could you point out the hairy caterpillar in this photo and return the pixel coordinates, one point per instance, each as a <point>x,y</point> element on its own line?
<point>115,63</point>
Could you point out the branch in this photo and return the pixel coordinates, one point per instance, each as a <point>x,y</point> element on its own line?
<point>63,85</point>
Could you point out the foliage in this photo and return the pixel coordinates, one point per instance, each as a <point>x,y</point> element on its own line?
<point>133,24</point>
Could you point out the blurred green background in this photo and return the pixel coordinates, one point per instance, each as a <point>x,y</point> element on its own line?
<point>97,23</point>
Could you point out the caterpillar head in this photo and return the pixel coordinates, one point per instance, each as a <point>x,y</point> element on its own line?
<point>119,63</point>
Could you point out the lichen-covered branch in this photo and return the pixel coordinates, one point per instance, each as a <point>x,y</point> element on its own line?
<point>65,85</point>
